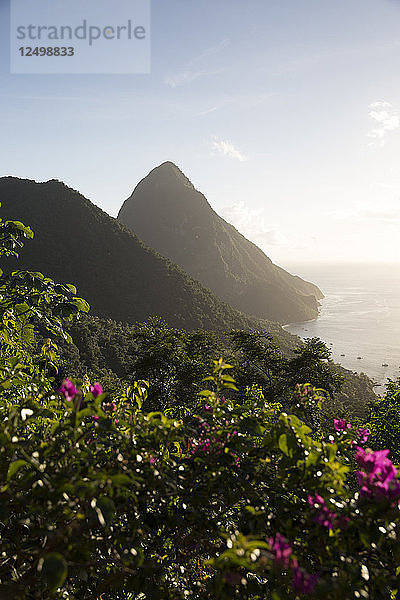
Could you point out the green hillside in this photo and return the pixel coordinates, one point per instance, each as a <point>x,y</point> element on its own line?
<point>117,273</point>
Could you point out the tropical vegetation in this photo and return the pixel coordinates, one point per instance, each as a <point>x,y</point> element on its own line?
<point>174,474</point>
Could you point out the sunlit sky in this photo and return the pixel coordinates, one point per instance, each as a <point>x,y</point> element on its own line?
<point>285,114</point>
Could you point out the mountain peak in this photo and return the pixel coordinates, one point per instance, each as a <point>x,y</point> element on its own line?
<point>167,173</point>
<point>168,164</point>
<point>171,216</point>
<point>168,196</point>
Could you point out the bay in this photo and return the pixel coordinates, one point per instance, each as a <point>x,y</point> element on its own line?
<point>359,318</point>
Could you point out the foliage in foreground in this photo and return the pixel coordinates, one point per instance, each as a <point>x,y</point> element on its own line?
<point>236,499</point>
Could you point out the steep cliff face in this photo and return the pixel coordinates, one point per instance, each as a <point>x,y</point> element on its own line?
<point>76,242</point>
<point>171,216</point>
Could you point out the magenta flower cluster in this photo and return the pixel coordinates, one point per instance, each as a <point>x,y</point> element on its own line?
<point>109,406</point>
<point>204,442</point>
<point>302,582</point>
<point>208,408</point>
<point>377,477</point>
<point>208,444</point>
<point>68,390</point>
<point>106,406</point>
<point>281,550</point>
<point>341,424</point>
<point>325,516</point>
<point>96,390</point>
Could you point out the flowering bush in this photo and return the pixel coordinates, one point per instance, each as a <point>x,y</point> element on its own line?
<point>224,503</point>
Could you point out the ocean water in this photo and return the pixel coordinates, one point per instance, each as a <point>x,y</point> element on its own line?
<point>359,317</point>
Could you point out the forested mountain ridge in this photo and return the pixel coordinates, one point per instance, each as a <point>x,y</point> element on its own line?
<point>170,215</point>
<point>121,278</point>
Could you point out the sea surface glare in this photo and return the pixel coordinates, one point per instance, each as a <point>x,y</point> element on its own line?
<point>359,317</point>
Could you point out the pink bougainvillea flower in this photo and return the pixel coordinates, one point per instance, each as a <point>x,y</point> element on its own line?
<point>68,390</point>
<point>96,390</point>
<point>341,424</point>
<point>372,462</point>
<point>281,550</point>
<point>324,516</point>
<point>377,476</point>
<point>302,582</point>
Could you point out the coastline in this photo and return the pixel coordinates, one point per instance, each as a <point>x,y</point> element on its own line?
<point>357,343</point>
<point>298,323</point>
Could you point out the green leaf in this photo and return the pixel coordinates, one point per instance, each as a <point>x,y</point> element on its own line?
<point>313,458</point>
<point>206,393</point>
<point>54,570</point>
<point>15,467</point>
<point>21,308</point>
<point>331,450</point>
<point>287,445</point>
<point>230,386</point>
<point>227,378</point>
